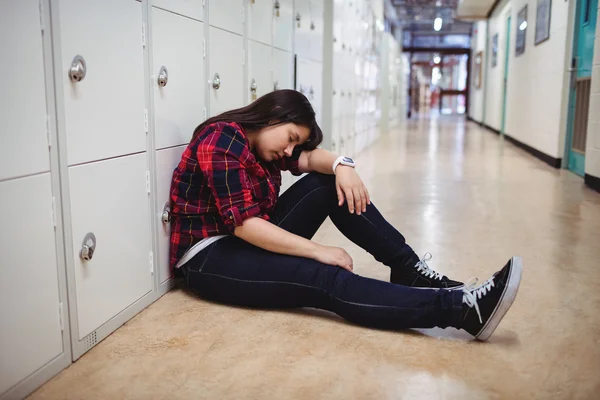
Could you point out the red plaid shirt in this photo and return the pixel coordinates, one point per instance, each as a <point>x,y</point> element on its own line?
<point>218,184</point>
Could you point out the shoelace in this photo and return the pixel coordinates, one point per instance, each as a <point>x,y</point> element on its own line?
<point>424,269</point>
<point>472,292</point>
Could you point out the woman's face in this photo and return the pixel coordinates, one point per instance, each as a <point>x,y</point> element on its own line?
<point>278,141</point>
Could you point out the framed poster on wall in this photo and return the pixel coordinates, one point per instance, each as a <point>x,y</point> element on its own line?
<point>542,21</point>
<point>521,31</point>
<point>494,50</point>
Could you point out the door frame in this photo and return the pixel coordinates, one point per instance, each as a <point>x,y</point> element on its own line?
<point>505,76</point>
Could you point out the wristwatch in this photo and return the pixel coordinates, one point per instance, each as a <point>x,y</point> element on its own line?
<point>343,160</point>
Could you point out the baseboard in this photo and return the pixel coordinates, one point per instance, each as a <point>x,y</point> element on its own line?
<point>469,118</point>
<point>592,181</point>
<point>551,161</point>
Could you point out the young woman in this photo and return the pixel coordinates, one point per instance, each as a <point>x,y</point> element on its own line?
<point>235,241</point>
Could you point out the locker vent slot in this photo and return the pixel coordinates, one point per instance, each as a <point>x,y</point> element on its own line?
<point>90,341</point>
<point>582,106</point>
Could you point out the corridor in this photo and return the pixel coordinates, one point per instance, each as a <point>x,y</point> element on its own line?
<point>454,190</point>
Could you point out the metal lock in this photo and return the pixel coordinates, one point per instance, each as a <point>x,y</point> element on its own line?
<point>88,247</point>
<point>312,26</point>
<point>166,214</point>
<point>163,76</point>
<point>277,6</point>
<point>312,93</point>
<point>216,83</point>
<point>298,19</point>
<point>78,69</point>
<point>276,85</point>
<point>253,87</point>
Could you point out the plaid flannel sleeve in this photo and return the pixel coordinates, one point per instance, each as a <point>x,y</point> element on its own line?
<point>221,157</point>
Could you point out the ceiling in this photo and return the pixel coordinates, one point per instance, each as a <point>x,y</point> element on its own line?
<point>417,16</point>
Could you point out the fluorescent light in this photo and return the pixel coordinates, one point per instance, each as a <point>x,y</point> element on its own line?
<point>523,25</point>
<point>437,59</point>
<point>437,24</point>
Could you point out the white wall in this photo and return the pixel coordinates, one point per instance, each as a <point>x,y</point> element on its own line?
<point>536,99</point>
<point>592,150</point>
<point>476,95</point>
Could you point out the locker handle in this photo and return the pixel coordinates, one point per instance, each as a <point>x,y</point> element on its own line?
<point>166,214</point>
<point>312,93</point>
<point>163,76</point>
<point>88,247</point>
<point>298,18</point>
<point>216,84</point>
<point>276,85</point>
<point>78,69</point>
<point>277,6</point>
<point>253,86</point>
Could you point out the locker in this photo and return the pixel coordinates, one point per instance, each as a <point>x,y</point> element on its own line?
<point>166,162</point>
<point>316,34</point>
<point>109,199</point>
<point>189,8</point>
<point>302,32</point>
<point>104,107</point>
<point>178,77</point>
<point>227,15</point>
<point>283,25</point>
<point>22,91</point>
<point>260,74</point>
<point>283,69</point>
<point>260,21</point>
<point>30,332</point>
<point>226,73</point>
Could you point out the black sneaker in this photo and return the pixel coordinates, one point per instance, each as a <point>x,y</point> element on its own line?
<point>484,305</point>
<point>420,276</point>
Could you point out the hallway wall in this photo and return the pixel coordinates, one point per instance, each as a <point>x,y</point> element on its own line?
<point>592,152</point>
<point>476,102</point>
<point>536,103</point>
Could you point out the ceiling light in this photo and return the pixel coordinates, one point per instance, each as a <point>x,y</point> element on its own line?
<point>523,25</point>
<point>437,59</point>
<point>437,24</point>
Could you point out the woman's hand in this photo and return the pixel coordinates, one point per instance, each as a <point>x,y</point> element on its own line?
<point>333,256</point>
<point>350,186</point>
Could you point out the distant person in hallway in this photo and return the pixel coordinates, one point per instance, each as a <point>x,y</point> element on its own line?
<point>236,241</point>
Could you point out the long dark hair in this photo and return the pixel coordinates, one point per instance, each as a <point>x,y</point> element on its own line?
<point>277,107</point>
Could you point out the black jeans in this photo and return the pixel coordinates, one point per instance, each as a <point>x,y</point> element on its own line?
<point>236,272</point>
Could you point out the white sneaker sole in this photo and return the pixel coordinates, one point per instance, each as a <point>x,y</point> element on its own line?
<point>510,292</point>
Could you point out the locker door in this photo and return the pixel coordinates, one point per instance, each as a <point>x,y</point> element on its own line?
<point>283,25</point>
<point>189,8</point>
<point>179,87</point>
<point>30,332</point>
<point>316,37</point>
<point>109,199</point>
<point>260,74</point>
<point>226,72</point>
<point>105,110</point>
<point>22,92</point>
<point>260,21</point>
<point>166,162</point>
<point>302,32</point>
<point>227,15</point>
<point>316,88</point>
<point>283,69</point>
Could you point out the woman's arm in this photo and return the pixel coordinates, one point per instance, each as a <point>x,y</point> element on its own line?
<point>319,160</point>
<point>269,236</point>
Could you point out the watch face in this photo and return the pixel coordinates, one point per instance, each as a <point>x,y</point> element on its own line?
<point>348,159</point>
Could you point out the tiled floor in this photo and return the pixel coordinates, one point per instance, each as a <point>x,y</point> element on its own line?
<point>453,189</point>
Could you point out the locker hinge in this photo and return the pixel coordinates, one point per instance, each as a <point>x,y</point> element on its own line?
<point>48,127</point>
<point>151,259</point>
<point>148,181</point>
<point>41,15</point>
<point>143,34</point>
<point>54,211</point>
<point>60,316</point>
<point>203,48</point>
<point>146,120</point>
<point>205,114</point>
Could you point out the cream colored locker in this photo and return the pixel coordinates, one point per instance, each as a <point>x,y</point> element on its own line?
<point>283,24</point>
<point>109,207</point>
<point>302,28</point>
<point>189,8</point>
<point>260,20</point>
<point>103,78</point>
<point>166,161</point>
<point>283,69</point>
<point>227,15</point>
<point>22,88</point>
<point>30,333</point>
<point>260,75</point>
<point>226,71</point>
<point>178,77</point>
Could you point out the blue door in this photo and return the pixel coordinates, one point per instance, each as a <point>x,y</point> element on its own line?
<point>581,79</point>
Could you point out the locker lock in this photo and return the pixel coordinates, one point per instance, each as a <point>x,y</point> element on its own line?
<point>78,69</point>
<point>253,86</point>
<point>276,85</point>
<point>312,93</point>
<point>298,19</point>
<point>163,76</point>
<point>277,6</point>
<point>312,26</point>
<point>88,247</point>
<point>216,83</point>
<point>166,214</point>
